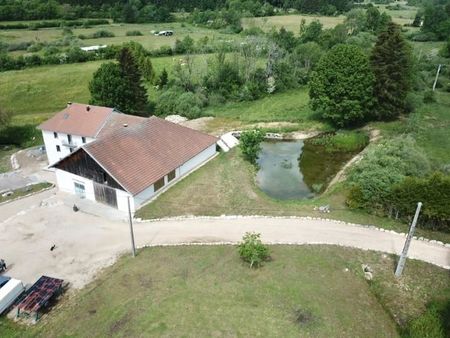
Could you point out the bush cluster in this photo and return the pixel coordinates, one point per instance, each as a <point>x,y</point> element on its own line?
<point>342,141</point>
<point>97,35</point>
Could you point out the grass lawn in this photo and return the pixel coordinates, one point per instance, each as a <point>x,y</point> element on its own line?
<point>226,185</point>
<point>208,291</point>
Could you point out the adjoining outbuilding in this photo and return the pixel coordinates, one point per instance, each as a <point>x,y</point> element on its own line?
<point>127,159</point>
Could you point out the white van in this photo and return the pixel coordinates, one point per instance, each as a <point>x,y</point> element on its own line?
<point>9,293</point>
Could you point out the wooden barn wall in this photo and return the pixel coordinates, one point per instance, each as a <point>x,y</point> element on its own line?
<point>81,164</point>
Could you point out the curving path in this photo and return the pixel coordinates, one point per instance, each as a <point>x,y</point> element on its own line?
<point>277,230</point>
<point>90,239</point>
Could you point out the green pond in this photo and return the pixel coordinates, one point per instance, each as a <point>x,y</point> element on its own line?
<point>300,169</point>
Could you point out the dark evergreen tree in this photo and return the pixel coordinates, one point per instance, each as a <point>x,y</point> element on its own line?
<point>120,85</point>
<point>133,99</point>
<point>163,79</point>
<point>391,63</point>
<point>106,85</point>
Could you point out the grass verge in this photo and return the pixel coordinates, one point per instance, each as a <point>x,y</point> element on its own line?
<point>208,291</point>
<point>25,191</point>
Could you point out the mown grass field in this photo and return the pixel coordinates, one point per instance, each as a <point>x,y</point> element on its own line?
<point>207,291</point>
<point>290,22</point>
<point>148,40</point>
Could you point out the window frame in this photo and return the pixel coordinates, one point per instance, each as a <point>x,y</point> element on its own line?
<point>157,185</point>
<point>171,176</point>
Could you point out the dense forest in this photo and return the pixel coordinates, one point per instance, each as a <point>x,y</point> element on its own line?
<point>153,10</point>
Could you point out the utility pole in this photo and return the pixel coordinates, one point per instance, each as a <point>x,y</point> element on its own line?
<point>402,260</point>
<point>130,219</point>
<point>437,76</point>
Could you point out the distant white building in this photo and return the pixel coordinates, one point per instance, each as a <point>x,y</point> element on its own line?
<point>93,48</point>
<point>110,157</point>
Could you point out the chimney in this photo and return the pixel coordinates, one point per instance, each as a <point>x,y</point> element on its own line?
<point>88,108</point>
<point>69,103</point>
<point>125,125</point>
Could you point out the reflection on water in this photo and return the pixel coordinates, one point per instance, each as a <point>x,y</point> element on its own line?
<point>279,173</point>
<point>296,169</point>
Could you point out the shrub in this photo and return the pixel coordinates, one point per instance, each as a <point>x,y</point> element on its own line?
<point>383,166</point>
<point>175,101</point>
<point>432,191</point>
<point>134,33</point>
<point>252,250</point>
<point>250,144</point>
<point>102,34</point>
<point>21,136</point>
<point>429,97</point>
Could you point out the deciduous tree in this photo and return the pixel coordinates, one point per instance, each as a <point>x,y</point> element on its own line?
<point>341,87</point>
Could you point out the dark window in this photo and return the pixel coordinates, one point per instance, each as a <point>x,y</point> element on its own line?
<point>55,134</point>
<point>83,139</point>
<point>70,149</point>
<point>58,148</point>
<point>69,139</point>
<point>171,175</point>
<point>159,184</point>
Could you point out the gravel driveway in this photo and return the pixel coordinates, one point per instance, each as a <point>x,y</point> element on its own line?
<point>91,239</point>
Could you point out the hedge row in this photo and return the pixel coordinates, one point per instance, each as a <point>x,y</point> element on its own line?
<point>56,23</point>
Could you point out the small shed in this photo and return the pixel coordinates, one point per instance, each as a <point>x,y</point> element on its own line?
<point>39,295</point>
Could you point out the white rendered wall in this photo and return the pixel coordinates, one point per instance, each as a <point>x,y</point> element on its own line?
<point>66,182</point>
<point>198,159</point>
<point>51,142</point>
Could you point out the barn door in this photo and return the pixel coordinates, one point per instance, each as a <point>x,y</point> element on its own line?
<point>105,194</point>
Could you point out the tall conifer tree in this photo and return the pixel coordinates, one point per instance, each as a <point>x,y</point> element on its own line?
<point>391,63</point>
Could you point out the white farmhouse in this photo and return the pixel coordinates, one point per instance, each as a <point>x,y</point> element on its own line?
<point>79,124</point>
<point>109,157</point>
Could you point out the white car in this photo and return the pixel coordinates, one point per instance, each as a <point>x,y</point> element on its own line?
<point>164,33</point>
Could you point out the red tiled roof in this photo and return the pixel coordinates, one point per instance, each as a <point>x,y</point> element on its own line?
<point>117,121</point>
<point>140,154</point>
<point>78,119</point>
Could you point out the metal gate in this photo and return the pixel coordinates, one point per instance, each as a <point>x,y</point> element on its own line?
<point>105,194</point>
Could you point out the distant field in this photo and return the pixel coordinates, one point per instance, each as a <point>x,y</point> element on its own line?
<point>206,291</point>
<point>148,40</point>
<point>407,12</point>
<point>290,22</point>
<point>34,94</point>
